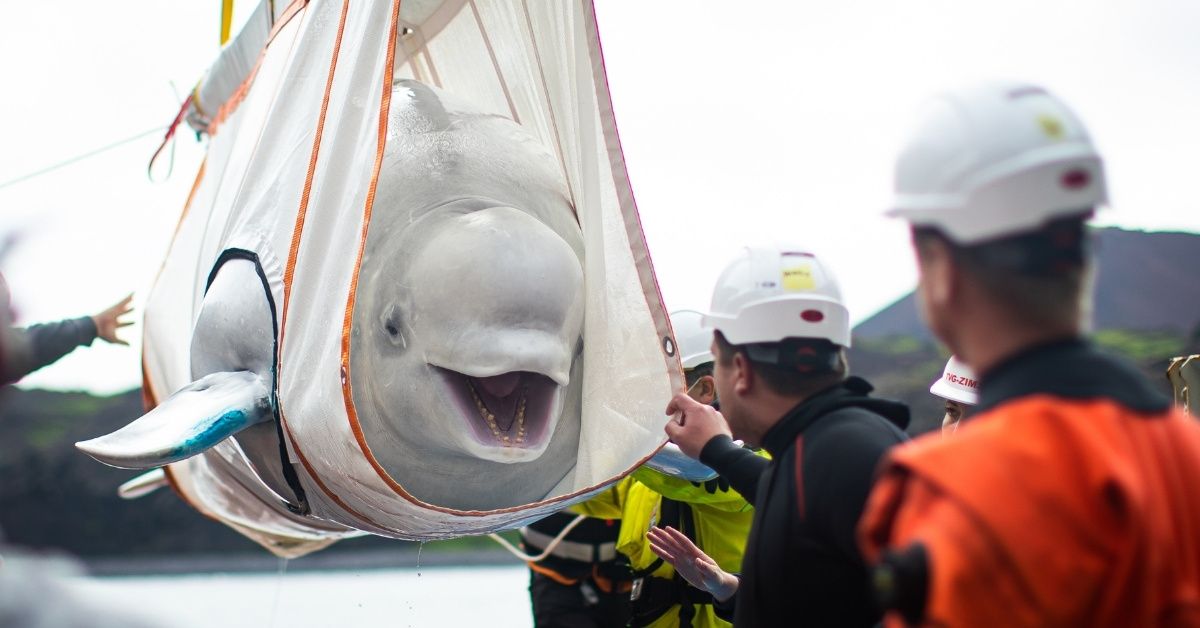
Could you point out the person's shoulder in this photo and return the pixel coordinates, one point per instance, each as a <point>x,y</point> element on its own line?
<point>851,437</point>
<point>1047,425</point>
<point>853,425</point>
<point>1019,442</point>
<point>1070,374</point>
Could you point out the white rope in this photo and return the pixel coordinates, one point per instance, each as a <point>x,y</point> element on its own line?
<point>81,157</point>
<point>512,549</point>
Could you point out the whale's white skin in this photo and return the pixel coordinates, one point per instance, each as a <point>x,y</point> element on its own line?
<point>466,335</point>
<point>471,291</point>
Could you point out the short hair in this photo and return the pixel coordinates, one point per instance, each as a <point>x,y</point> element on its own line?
<point>789,381</point>
<point>694,374</point>
<point>1039,278</point>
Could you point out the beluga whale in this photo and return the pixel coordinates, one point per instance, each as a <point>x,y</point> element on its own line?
<point>408,294</point>
<point>467,326</point>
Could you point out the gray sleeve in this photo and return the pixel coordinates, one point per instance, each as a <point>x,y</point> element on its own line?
<point>29,349</point>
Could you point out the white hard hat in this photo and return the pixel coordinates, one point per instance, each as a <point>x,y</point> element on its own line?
<point>694,342</point>
<point>995,160</point>
<point>958,383</point>
<point>768,294</point>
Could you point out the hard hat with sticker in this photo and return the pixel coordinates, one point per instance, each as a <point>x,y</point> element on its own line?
<point>996,160</point>
<point>768,294</point>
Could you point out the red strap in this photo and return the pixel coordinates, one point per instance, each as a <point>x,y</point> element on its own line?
<point>170,134</point>
<point>800,476</point>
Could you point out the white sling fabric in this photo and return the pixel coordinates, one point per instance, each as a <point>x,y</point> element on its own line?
<point>292,163</point>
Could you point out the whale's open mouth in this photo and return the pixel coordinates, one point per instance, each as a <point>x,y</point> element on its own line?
<point>510,410</point>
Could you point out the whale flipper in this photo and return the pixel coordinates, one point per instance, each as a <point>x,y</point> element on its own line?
<point>192,420</point>
<point>143,484</point>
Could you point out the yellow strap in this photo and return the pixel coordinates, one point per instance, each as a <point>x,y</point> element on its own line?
<point>226,19</point>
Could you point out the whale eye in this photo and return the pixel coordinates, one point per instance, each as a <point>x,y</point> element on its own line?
<point>392,325</point>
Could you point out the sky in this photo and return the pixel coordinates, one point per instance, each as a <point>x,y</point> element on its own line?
<point>755,122</point>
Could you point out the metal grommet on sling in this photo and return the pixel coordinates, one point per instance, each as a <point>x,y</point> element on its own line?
<point>668,344</point>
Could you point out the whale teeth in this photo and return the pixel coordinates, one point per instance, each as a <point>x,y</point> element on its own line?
<point>490,419</point>
<point>521,416</point>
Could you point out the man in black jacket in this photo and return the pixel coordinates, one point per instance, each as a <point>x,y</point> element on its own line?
<point>780,331</point>
<point>24,350</point>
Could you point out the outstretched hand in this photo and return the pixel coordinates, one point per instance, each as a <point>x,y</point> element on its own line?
<point>109,321</point>
<point>691,563</point>
<point>698,423</point>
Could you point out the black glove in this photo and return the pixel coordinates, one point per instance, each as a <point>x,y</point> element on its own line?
<point>715,484</point>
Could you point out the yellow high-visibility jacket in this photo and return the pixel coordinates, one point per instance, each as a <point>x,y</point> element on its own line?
<point>721,521</point>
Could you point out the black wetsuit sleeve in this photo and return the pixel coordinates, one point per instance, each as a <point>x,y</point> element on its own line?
<point>839,471</point>
<point>725,610</point>
<point>737,464</point>
<point>38,345</point>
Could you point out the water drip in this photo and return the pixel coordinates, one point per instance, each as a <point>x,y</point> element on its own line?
<point>283,564</point>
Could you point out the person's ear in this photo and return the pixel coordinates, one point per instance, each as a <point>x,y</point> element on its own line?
<point>743,375</point>
<point>707,393</point>
<point>939,274</point>
<point>939,287</point>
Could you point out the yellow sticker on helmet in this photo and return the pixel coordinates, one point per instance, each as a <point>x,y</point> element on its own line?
<point>798,278</point>
<point>1051,126</point>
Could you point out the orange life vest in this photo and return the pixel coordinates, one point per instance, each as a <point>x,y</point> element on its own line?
<point>1071,499</point>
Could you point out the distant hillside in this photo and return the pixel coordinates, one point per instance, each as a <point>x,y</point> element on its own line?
<point>1146,282</point>
<point>51,495</point>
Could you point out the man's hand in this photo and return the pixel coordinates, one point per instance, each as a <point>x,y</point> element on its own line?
<point>698,423</point>
<point>691,563</point>
<point>109,321</point>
